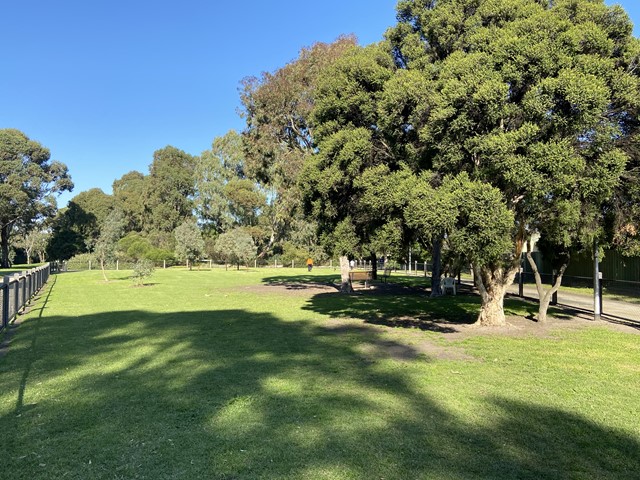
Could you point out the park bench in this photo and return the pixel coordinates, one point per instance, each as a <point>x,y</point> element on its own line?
<point>360,276</point>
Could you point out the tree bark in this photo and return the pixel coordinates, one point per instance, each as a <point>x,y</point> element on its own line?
<point>374,266</point>
<point>104,274</point>
<point>492,284</point>
<point>544,297</point>
<point>436,255</point>
<point>4,234</point>
<point>345,284</point>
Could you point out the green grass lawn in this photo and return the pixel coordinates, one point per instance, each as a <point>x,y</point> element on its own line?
<point>248,375</point>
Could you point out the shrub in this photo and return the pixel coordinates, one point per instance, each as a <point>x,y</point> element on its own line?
<point>142,269</point>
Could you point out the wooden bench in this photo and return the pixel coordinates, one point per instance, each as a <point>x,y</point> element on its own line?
<point>360,276</point>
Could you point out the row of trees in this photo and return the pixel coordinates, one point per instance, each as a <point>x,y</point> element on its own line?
<point>472,127</point>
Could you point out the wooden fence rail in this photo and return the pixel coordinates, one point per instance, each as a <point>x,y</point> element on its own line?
<point>17,290</point>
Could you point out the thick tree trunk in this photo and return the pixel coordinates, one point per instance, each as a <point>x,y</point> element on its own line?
<point>492,285</point>
<point>374,266</point>
<point>544,297</point>
<point>345,284</point>
<point>4,234</point>
<point>436,254</point>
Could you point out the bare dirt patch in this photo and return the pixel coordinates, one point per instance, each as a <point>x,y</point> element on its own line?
<point>291,288</point>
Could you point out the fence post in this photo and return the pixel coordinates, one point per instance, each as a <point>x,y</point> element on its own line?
<point>16,293</point>
<point>24,291</point>
<point>600,286</point>
<point>5,302</point>
<point>597,303</point>
<point>520,281</point>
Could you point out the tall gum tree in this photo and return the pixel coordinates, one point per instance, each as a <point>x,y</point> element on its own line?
<point>279,136</point>
<point>169,190</point>
<point>28,182</point>
<point>531,98</point>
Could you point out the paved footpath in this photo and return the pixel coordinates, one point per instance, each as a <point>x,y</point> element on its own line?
<point>615,310</point>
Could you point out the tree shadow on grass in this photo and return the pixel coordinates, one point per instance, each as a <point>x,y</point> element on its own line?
<point>304,282</point>
<point>238,394</point>
<point>406,310</point>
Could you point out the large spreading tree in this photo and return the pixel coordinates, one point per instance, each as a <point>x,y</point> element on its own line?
<point>530,97</point>
<point>29,179</point>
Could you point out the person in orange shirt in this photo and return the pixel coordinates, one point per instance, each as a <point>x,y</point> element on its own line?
<point>309,264</point>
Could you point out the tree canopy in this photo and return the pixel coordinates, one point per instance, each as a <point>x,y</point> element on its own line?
<point>28,181</point>
<point>529,97</point>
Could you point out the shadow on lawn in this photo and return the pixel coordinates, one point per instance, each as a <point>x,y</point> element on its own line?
<point>401,305</point>
<point>233,394</point>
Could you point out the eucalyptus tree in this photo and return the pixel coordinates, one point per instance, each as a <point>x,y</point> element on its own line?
<point>235,246</point>
<point>106,245</point>
<point>214,169</point>
<point>530,97</point>
<point>35,243</point>
<point>29,181</point>
<point>189,243</point>
<point>279,136</point>
<point>129,197</point>
<point>168,192</point>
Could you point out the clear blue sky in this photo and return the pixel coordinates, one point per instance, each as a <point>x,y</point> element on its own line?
<point>103,84</point>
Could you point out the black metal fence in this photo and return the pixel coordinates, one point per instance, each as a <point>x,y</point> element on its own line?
<point>17,290</point>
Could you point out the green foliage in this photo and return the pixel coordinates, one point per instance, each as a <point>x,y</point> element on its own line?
<point>34,244</point>
<point>293,253</point>
<point>189,242</point>
<point>531,97</point>
<point>82,261</point>
<point>134,246</point>
<point>279,136</point>
<point>235,246</point>
<point>28,182</point>
<point>159,255</point>
<point>214,169</point>
<point>129,197</point>
<point>142,270</point>
<point>168,190</point>
<point>111,231</point>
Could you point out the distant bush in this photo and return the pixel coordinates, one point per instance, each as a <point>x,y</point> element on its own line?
<point>82,262</point>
